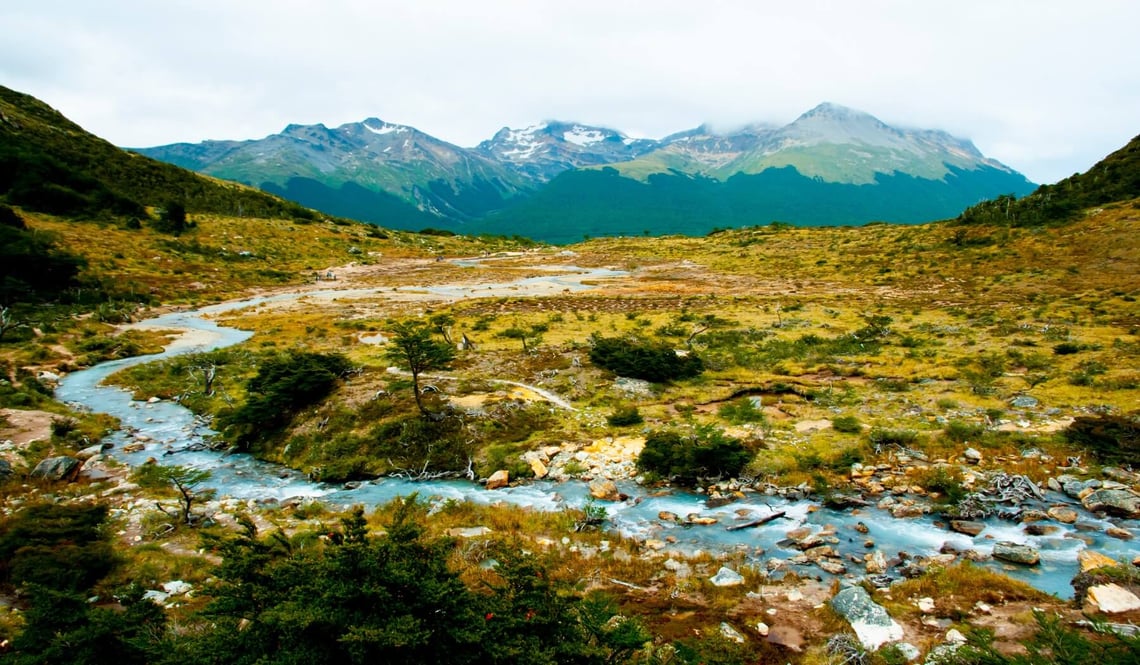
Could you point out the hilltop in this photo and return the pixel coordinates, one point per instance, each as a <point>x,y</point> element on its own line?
<point>50,164</point>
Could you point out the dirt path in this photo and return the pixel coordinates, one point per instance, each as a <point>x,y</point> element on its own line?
<point>544,394</point>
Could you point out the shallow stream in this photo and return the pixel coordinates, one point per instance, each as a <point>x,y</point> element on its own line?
<point>172,430</point>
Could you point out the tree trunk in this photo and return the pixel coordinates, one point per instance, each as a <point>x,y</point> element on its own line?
<point>416,392</point>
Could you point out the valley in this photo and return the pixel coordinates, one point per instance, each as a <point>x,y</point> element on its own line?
<point>762,443</point>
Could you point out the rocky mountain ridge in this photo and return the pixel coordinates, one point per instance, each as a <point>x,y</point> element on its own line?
<point>396,175</point>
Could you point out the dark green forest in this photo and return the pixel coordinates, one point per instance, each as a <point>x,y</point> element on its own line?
<point>1114,178</point>
<point>591,203</point>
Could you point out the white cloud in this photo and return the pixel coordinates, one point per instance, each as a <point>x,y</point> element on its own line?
<point>1047,87</point>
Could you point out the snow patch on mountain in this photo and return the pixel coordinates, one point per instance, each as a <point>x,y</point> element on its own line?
<point>583,136</point>
<point>385,128</point>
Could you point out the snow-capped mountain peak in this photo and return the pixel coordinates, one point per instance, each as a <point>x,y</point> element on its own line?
<point>544,150</point>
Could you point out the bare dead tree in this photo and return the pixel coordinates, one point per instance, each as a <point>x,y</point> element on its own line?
<point>8,321</point>
<point>205,372</point>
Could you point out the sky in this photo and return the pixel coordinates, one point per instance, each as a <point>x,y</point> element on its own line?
<point>1047,87</point>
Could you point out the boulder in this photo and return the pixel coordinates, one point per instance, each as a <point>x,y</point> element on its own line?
<point>1024,402</point>
<point>831,566</point>
<point>876,562</point>
<point>176,587</point>
<point>786,636</point>
<point>538,468</point>
<point>729,632</point>
<point>57,468</point>
<point>500,478</point>
<point>1091,560</point>
<point>1113,501</point>
<point>968,527</point>
<point>871,623</point>
<point>1062,514</point>
<point>1117,532</point>
<point>1016,553</point>
<point>726,577</point>
<point>604,490</point>
<point>680,569</point>
<point>1112,599</point>
<point>972,456</point>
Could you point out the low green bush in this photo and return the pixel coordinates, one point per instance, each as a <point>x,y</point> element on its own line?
<point>643,359</point>
<point>847,424</point>
<point>624,416</point>
<point>687,458</point>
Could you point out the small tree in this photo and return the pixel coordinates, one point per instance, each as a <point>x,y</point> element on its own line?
<point>413,348</point>
<point>530,337</point>
<point>183,480</point>
<point>443,323</point>
<point>172,218</point>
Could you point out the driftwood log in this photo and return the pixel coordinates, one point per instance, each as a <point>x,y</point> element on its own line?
<point>754,523</point>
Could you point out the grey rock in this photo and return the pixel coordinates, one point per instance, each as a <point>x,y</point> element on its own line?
<point>908,651</point>
<point>1016,553</point>
<point>871,623</point>
<point>5,470</point>
<point>730,633</point>
<point>57,468</point>
<point>726,577</point>
<point>1120,502</point>
<point>1024,402</point>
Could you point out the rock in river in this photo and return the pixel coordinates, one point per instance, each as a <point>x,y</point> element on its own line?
<point>1016,553</point>
<point>500,478</point>
<point>1114,501</point>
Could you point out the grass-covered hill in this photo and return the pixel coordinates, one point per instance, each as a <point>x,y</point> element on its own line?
<point>50,164</point>
<point>1112,179</point>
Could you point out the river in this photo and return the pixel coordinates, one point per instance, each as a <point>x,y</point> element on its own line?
<point>172,429</point>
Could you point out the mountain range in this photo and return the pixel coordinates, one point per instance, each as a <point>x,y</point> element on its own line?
<point>558,181</point>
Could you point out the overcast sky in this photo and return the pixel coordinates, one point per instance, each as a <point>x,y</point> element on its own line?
<point>1047,87</point>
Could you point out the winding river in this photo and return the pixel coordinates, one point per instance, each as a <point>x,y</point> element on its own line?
<point>172,432</point>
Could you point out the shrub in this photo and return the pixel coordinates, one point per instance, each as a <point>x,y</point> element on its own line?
<point>898,437</point>
<point>643,359</point>
<point>1113,439</point>
<point>957,430</point>
<point>947,481</point>
<point>624,416</point>
<point>706,453</point>
<point>62,547</point>
<point>283,385</point>
<point>741,411</point>
<point>847,425</point>
<point>1066,348</point>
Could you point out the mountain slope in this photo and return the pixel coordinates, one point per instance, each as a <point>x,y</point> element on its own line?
<point>832,165</point>
<point>1114,178</point>
<point>50,164</point>
<point>831,142</point>
<point>590,203</point>
<point>402,171</point>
